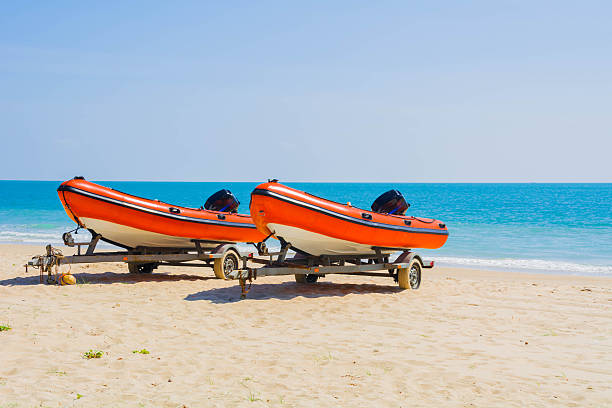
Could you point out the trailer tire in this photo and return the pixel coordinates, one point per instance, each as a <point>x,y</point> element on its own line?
<point>410,277</point>
<point>309,278</point>
<point>227,263</point>
<point>139,268</point>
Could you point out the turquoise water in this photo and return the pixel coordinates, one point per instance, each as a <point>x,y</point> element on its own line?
<point>563,228</point>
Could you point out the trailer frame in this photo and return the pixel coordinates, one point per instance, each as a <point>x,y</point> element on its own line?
<point>309,268</point>
<point>141,259</point>
<point>405,269</point>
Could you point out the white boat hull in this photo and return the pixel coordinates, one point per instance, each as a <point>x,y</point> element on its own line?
<point>318,244</point>
<point>134,237</point>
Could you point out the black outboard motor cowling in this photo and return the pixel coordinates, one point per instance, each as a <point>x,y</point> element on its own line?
<point>222,200</point>
<point>391,202</point>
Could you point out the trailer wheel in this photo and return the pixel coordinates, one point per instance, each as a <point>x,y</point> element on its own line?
<point>309,278</point>
<point>226,264</point>
<point>141,268</point>
<point>410,278</point>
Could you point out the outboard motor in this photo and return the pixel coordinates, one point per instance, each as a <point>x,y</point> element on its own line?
<point>222,200</point>
<point>391,202</point>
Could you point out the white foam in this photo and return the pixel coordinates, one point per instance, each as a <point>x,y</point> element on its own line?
<point>526,264</point>
<point>17,234</point>
<point>536,265</point>
<point>31,237</point>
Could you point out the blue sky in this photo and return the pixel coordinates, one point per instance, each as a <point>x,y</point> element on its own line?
<point>402,91</point>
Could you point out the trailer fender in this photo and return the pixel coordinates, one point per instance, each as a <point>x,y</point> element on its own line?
<point>223,248</point>
<point>407,256</point>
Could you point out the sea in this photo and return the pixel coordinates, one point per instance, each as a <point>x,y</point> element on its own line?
<point>532,227</point>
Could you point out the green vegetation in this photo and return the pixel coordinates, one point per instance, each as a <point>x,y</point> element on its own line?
<point>5,328</point>
<point>252,397</point>
<point>93,354</point>
<point>143,351</point>
<point>325,358</point>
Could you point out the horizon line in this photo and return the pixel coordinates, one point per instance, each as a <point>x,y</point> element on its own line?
<point>329,181</point>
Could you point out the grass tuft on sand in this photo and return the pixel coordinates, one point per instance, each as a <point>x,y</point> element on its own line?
<point>93,354</point>
<point>253,397</point>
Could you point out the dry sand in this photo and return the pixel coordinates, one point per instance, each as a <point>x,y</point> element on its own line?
<point>465,338</point>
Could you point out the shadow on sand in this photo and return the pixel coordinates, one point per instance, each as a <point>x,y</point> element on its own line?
<point>289,290</point>
<point>106,278</point>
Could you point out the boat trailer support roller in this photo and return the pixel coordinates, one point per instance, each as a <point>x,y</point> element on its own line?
<point>137,258</point>
<point>53,258</point>
<point>56,259</point>
<point>250,274</point>
<point>316,270</point>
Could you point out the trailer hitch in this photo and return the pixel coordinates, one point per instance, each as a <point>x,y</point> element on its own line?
<point>243,276</point>
<point>46,263</point>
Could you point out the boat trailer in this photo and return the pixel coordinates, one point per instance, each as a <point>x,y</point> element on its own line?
<point>216,255</point>
<point>405,270</point>
<point>228,263</point>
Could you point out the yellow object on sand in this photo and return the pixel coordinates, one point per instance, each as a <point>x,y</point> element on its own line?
<point>68,279</point>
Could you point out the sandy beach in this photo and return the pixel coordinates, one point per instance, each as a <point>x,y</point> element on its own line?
<point>465,338</point>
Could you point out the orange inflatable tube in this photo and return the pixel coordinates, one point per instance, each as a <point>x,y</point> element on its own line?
<point>131,221</point>
<point>324,226</point>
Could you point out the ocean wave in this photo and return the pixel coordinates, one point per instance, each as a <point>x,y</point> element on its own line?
<point>36,237</point>
<point>526,264</point>
<point>535,265</point>
<point>29,241</point>
<point>26,235</point>
<point>18,237</point>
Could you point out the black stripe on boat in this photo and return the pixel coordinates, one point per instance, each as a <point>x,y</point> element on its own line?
<point>151,211</point>
<point>345,217</point>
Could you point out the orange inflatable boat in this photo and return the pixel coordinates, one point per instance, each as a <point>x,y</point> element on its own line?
<point>129,221</point>
<point>317,226</point>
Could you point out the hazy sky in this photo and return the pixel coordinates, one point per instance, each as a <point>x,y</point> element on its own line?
<point>307,91</point>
